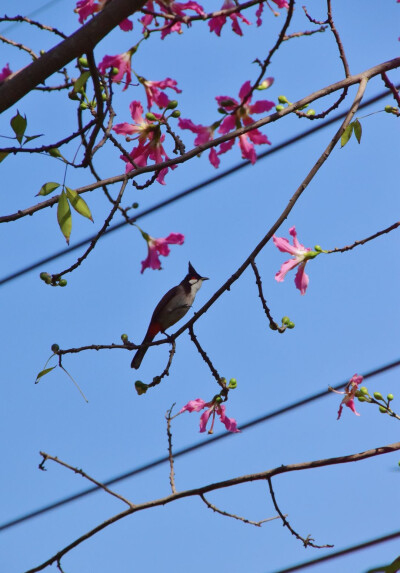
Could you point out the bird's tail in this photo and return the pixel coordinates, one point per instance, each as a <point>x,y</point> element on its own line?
<point>151,333</point>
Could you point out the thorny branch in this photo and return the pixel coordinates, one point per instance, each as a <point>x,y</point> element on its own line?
<point>272,323</point>
<point>363,241</point>
<point>83,474</point>
<point>216,486</point>
<point>307,541</point>
<point>244,519</point>
<point>168,417</point>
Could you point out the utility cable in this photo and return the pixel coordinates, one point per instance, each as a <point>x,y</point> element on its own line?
<point>191,448</point>
<point>189,191</point>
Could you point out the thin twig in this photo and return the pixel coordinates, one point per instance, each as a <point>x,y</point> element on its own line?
<point>220,511</point>
<point>19,46</point>
<point>84,475</point>
<point>206,359</point>
<point>363,241</point>
<point>170,456</point>
<point>273,324</point>
<point>307,541</point>
<point>165,372</point>
<point>391,87</point>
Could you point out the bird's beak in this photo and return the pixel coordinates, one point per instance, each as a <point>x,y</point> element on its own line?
<point>205,279</point>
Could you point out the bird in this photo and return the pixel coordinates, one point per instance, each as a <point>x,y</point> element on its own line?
<point>172,307</point>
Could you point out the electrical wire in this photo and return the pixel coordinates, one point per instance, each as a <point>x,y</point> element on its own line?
<point>191,448</point>
<point>189,191</point>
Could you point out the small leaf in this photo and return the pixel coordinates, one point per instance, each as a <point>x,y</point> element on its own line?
<point>78,203</point>
<point>18,124</point>
<point>31,137</point>
<point>81,81</point>
<point>357,130</point>
<point>43,373</point>
<point>55,152</point>
<point>346,135</point>
<point>64,216</point>
<point>3,155</point>
<point>48,188</point>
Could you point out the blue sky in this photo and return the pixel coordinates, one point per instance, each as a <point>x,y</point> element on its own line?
<point>347,322</point>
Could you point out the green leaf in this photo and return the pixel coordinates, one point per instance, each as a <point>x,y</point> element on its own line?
<point>31,137</point>
<point>55,152</point>
<point>43,373</point>
<point>3,155</point>
<point>78,203</point>
<point>346,135</point>
<point>18,124</point>
<point>81,81</point>
<point>357,130</point>
<point>48,188</point>
<point>64,216</point>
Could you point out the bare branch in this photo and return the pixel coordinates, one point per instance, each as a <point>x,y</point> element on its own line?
<point>85,475</point>
<point>170,456</point>
<point>206,358</point>
<point>221,512</point>
<point>272,323</point>
<point>363,241</point>
<point>216,486</point>
<point>307,541</point>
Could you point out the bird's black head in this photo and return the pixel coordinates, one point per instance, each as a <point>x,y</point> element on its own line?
<point>193,274</point>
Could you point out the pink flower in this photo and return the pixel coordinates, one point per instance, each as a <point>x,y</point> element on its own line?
<point>204,134</point>
<point>146,131</point>
<point>216,24</point>
<point>86,8</point>
<point>5,72</point>
<point>349,394</point>
<point>240,115</point>
<point>171,8</point>
<point>122,62</point>
<point>154,93</point>
<point>213,407</point>
<point>301,256</point>
<point>281,3</point>
<point>157,247</point>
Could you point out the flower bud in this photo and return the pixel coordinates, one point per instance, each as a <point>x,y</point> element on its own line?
<point>285,320</point>
<point>176,113</point>
<point>124,337</point>
<point>135,205</point>
<point>44,276</point>
<point>150,116</point>
<point>83,62</point>
<point>310,112</point>
<point>265,84</point>
<point>291,324</point>
<point>232,383</point>
<point>140,387</point>
<point>390,397</point>
<point>172,104</point>
<point>104,97</point>
<point>382,410</point>
<point>217,399</point>
<point>42,53</point>
<point>318,249</point>
<point>114,71</point>
<point>279,107</point>
<point>62,282</point>
<point>362,399</point>
<point>378,396</point>
<point>55,348</point>
<point>83,105</point>
<point>283,99</point>
<point>364,390</point>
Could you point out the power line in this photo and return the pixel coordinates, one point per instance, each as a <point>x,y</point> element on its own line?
<point>336,554</point>
<point>189,191</point>
<point>189,449</point>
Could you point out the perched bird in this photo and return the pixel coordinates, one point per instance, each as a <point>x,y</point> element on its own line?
<point>171,308</point>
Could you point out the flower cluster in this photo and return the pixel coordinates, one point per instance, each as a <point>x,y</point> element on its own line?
<point>213,408</point>
<point>150,141</point>
<point>157,247</point>
<point>349,394</point>
<point>86,8</point>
